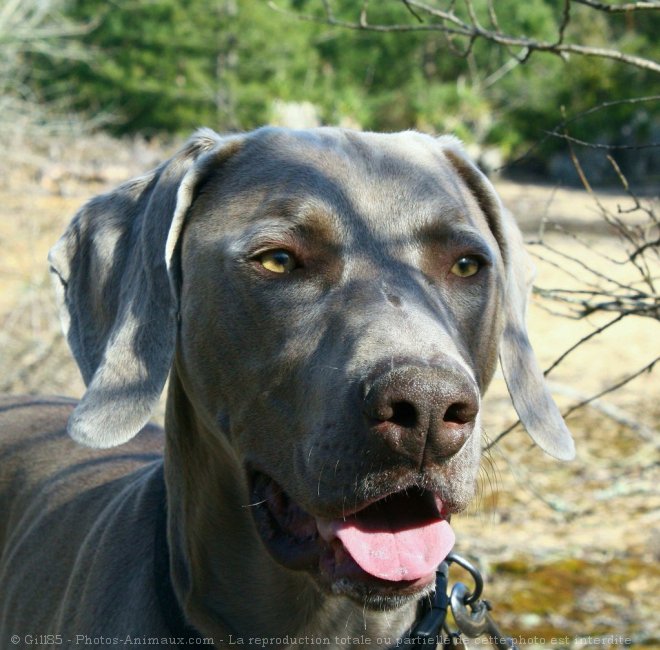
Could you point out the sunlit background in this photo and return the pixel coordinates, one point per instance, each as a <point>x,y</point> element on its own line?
<point>93,93</point>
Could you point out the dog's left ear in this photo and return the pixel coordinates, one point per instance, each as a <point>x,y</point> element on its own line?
<point>116,279</point>
<point>524,378</point>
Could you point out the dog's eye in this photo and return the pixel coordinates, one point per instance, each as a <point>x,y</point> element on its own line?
<point>277,261</point>
<point>466,267</point>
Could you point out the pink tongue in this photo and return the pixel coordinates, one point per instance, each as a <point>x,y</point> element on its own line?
<point>389,553</point>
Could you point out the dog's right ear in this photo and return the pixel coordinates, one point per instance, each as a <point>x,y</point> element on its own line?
<point>522,373</point>
<point>118,303</point>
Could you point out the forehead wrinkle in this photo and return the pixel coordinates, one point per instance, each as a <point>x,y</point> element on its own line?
<point>454,208</point>
<point>290,217</point>
<point>455,233</point>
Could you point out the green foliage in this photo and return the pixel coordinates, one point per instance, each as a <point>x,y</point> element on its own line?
<point>173,65</point>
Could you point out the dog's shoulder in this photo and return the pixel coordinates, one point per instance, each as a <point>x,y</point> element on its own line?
<point>37,455</point>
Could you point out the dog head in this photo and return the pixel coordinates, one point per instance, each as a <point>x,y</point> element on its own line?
<point>333,304</point>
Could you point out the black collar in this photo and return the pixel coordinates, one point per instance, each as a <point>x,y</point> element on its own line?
<point>431,613</point>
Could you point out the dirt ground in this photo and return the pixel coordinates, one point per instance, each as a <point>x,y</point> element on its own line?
<point>570,551</point>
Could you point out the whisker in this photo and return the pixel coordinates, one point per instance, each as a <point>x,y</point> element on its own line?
<point>318,486</point>
<point>260,503</point>
<point>254,505</point>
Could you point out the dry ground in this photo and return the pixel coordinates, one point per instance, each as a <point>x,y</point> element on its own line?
<point>570,551</point>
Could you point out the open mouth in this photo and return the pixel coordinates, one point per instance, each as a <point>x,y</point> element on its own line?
<point>390,546</point>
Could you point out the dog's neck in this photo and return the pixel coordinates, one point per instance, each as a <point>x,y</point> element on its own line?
<point>227,584</point>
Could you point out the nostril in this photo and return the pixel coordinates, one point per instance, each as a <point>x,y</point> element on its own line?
<point>458,413</point>
<point>404,414</point>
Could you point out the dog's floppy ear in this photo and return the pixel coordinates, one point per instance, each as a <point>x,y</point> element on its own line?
<point>117,302</point>
<point>524,378</point>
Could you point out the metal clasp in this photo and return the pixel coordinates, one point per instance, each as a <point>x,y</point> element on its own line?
<point>472,622</point>
<point>472,615</point>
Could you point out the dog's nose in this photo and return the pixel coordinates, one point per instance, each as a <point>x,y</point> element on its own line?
<point>425,413</point>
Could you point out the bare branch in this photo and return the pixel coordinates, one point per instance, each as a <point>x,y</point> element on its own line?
<point>600,52</point>
<point>502,435</point>
<point>655,243</point>
<point>412,11</point>
<point>597,145</point>
<point>561,127</point>
<point>626,7</point>
<point>565,20</point>
<point>492,15</point>
<point>647,368</point>
<point>576,345</point>
<point>590,400</point>
<point>586,267</point>
<point>472,13</point>
<point>449,23</point>
<point>628,305</point>
<point>565,271</point>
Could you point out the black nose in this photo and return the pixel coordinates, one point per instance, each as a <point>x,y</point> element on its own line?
<point>425,413</point>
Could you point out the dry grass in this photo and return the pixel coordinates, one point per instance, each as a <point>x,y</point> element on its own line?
<point>570,550</point>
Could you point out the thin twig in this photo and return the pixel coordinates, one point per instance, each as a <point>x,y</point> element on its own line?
<point>598,145</point>
<point>647,368</point>
<point>581,404</point>
<point>565,20</point>
<point>617,8</point>
<point>576,345</point>
<point>412,11</point>
<point>578,116</point>
<point>613,412</point>
<point>586,267</point>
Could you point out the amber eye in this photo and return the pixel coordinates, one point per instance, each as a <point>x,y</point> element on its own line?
<point>277,261</point>
<point>466,267</point>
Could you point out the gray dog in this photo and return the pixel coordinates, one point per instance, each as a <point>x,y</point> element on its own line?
<point>329,307</point>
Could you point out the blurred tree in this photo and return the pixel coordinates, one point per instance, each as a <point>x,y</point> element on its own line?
<point>30,28</point>
<point>493,72</point>
<point>173,65</point>
<point>507,73</point>
<point>151,67</point>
